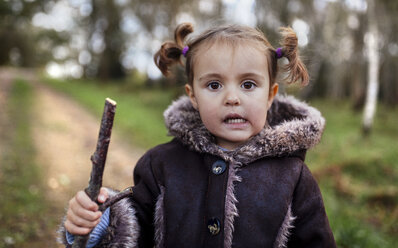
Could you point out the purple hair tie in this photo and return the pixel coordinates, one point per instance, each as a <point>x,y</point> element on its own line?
<point>279,53</point>
<point>185,50</point>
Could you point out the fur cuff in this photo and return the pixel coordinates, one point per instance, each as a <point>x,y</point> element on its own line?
<point>61,233</point>
<point>123,227</point>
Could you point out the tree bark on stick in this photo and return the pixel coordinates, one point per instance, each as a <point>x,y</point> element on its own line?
<point>98,161</point>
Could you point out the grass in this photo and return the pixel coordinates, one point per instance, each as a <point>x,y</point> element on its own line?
<point>357,175</point>
<point>22,209</point>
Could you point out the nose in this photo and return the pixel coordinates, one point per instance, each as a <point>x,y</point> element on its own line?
<point>232,98</point>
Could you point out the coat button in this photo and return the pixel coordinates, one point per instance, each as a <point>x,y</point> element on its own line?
<point>213,225</point>
<point>219,167</point>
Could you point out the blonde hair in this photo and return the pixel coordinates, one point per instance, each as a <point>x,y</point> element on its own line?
<point>170,52</point>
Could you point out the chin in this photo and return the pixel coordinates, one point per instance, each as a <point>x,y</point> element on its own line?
<point>237,142</point>
<point>241,139</point>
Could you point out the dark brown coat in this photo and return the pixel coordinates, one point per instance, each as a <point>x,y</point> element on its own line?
<point>191,193</point>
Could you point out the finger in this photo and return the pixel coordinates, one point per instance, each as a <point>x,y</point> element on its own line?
<point>72,202</point>
<point>80,213</point>
<point>89,219</point>
<point>103,195</point>
<point>78,221</point>
<point>85,213</point>
<point>85,201</point>
<point>76,230</point>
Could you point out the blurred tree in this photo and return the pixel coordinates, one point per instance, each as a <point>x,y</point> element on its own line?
<point>105,22</point>
<point>335,53</point>
<point>386,14</point>
<point>18,42</point>
<point>372,42</point>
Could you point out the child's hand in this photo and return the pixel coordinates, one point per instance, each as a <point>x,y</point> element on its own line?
<point>83,214</point>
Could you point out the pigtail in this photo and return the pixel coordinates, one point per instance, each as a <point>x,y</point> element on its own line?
<point>182,32</point>
<point>296,68</point>
<point>170,52</point>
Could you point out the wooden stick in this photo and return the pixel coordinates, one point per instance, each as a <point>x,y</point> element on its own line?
<point>125,193</point>
<point>98,161</point>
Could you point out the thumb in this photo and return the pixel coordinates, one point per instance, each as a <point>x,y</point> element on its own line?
<point>103,195</point>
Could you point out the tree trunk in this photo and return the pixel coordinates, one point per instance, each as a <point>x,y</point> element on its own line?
<point>373,71</point>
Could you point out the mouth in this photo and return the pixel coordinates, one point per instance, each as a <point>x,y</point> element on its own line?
<point>234,119</point>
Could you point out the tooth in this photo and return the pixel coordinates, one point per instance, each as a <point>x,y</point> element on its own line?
<point>236,120</point>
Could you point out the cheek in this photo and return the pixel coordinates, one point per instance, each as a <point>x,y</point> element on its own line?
<point>209,117</point>
<point>257,105</point>
<point>258,116</point>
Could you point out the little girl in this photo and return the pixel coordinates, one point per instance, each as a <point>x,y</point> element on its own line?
<point>234,174</point>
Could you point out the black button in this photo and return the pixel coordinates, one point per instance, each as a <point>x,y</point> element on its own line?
<point>219,167</point>
<point>213,225</point>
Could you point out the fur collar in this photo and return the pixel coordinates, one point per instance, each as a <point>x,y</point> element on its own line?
<point>292,126</point>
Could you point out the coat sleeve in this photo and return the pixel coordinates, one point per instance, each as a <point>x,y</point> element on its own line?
<point>311,226</point>
<point>131,219</point>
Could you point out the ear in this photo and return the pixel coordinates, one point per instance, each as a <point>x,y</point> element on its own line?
<point>191,95</point>
<point>272,94</point>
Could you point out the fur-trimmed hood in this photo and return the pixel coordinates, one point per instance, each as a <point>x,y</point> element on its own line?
<point>292,126</point>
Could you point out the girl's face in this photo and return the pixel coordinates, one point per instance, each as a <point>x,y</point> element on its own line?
<point>231,91</point>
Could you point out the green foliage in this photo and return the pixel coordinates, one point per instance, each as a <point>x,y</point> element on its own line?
<point>22,207</point>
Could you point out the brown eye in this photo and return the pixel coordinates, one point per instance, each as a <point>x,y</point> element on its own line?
<point>214,85</point>
<point>248,85</point>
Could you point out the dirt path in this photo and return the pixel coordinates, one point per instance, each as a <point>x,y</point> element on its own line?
<point>65,136</point>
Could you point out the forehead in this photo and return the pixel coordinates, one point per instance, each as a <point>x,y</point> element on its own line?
<point>239,56</point>
<point>231,43</point>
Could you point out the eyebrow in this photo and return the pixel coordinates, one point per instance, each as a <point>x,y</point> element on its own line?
<point>244,75</point>
<point>210,75</point>
<point>252,75</point>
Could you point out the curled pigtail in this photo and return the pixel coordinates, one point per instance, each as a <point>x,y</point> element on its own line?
<point>297,71</point>
<point>182,32</point>
<point>170,52</point>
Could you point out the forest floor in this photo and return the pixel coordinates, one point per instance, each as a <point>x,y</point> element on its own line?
<point>64,136</point>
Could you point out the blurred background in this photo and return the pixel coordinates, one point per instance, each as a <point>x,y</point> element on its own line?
<point>59,60</point>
